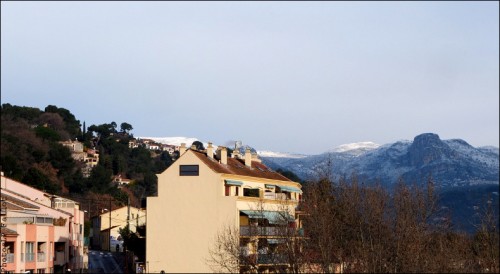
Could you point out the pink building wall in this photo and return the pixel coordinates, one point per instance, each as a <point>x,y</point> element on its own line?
<point>44,236</point>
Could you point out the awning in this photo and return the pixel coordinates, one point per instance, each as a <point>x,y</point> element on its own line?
<point>274,217</point>
<point>290,189</point>
<point>233,183</point>
<point>270,186</point>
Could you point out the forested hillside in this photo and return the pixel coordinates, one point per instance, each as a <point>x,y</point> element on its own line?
<point>31,153</point>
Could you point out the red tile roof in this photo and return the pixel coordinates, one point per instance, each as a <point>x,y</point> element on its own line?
<point>8,231</point>
<point>238,167</point>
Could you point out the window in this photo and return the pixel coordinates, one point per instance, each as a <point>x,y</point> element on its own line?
<point>251,192</point>
<point>237,191</point>
<point>30,251</point>
<point>228,190</point>
<point>189,170</point>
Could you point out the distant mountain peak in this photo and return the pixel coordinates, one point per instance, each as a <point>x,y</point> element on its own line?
<point>428,147</point>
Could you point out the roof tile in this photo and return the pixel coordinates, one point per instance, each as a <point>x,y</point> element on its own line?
<point>238,167</point>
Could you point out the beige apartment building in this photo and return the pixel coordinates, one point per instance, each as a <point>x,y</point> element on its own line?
<point>105,231</point>
<point>201,194</point>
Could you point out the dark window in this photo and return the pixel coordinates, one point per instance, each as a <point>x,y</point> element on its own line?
<point>251,192</point>
<point>228,190</point>
<point>189,170</point>
<point>237,191</point>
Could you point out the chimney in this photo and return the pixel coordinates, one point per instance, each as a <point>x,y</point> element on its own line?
<point>248,157</point>
<point>255,158</point>
<point>236,153</point>
<point>210,151</point>
<point>222,155</point>
<point>182,149</point>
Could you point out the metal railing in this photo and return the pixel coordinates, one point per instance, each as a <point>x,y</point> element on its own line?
<point>266,231</point>
<point>40,257</point>
<point>278,196</point>
<point>9,257</point>
<point>30,220</point>
<point>271,259</point>
<point>59,258</point>
<point>30,257</point>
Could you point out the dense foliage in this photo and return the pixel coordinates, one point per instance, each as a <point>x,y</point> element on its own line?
<point>31,153</point>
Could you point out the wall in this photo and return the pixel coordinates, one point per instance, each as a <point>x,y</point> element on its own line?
<point>185,217</point>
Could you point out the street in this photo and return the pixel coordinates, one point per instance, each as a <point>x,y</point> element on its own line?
<point>104,262</point>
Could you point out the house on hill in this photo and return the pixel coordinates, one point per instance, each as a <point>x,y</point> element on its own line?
<point>202,193</point>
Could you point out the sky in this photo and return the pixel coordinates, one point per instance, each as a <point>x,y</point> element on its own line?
<point>300,77</point>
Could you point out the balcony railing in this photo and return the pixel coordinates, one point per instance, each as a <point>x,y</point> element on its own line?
<point>30,220</point>
<point>271,259</point>
<point>264,259</point>
<point>59,258</point>
<point>10,257</point>
<point>267,231</point>
<point>40,257</point>
<point>278,196</point>
<point>30,257</point>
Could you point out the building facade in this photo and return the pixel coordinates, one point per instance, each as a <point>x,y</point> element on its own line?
<point>42,233</point>
<point>201,194</point>
<point>106,226</point>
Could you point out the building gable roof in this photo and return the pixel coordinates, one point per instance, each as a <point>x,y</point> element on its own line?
<point>17,203</point>
<point>237,167</point>
<point>8,231</point>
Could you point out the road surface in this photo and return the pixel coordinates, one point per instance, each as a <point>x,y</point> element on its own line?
<point>103,262</point>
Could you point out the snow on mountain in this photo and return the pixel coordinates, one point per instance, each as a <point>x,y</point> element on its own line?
<point>265,153</point>
<point>482,154</point>
<point>451,162</point>
<point>176,141</point>
<point>490,149</point>
<point>355,148</point>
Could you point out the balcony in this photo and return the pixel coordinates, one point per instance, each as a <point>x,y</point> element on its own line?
<point>59,258</point>
<point>279,196</point>
<point>264,259</point>
<point>30,257</point>
<point>271,259</point>
<point>9,257</point>
<point>30,220</point>
<point>267,231</point>
<point>40,257</point>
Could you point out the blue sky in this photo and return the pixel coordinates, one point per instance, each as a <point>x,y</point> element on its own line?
<point>284,76</point>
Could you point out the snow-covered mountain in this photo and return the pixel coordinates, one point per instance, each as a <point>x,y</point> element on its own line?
<point>271,154</point>
<point>355,148</point>
<point>450,162</point>
<point>176,141</point>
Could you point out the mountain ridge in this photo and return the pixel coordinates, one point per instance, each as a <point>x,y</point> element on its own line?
<point>453,162</point>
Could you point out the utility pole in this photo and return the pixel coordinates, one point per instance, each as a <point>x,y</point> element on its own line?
<point>128,213</point>
<point>109,225</point>
<point>128,227</point>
